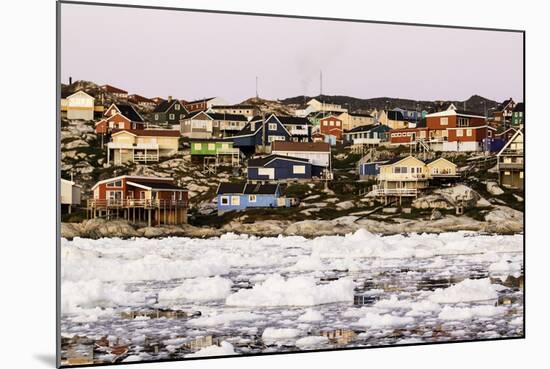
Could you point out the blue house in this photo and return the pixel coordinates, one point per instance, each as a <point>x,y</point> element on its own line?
<point>279,167</point>
<point>242,196</point>
<point>257,132</point>
<point>369,170</point>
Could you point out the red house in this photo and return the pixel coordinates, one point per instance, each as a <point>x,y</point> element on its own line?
<point>120,116</point>
<point>150,200</point>
<point>331,125</point>
<point>405,136</point>
<point>142,101</point>
<point>115,91</point>
<point>458,130</point>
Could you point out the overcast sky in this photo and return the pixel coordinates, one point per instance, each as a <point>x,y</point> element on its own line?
<point>193,55</point>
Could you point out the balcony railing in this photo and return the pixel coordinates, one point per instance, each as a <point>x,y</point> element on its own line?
<point>510,165</point>
<point>366,141</point>
<point>227,151</point>
<point>295,131</point>
<point>403,176</point>
<point>142,157</point>
<point>396,192</point>
<point>139,146</point>
<point>135,203</point>
<point>512,152</point>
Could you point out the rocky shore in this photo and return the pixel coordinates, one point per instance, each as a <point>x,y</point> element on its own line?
<point>500,219</point>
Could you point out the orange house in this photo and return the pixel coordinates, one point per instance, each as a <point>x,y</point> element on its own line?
<point>332,125</point>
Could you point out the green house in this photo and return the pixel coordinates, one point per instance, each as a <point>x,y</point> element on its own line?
<point>518,115</point>
<point>212,148</point>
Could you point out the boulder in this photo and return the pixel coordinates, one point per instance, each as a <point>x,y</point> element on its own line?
<point>494,189</point>
<point>98,227</point>
<point>345,205</point>
<point>70,230</point>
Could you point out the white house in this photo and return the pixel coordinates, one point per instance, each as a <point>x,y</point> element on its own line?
<point>80,105</point>
<point>70,195</point>
<point>318,153</point>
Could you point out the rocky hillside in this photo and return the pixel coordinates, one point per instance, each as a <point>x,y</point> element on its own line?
<point>474,103</point>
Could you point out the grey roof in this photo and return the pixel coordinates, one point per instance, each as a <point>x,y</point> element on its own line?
<point>165,105</point>
<point>293,120</point>
<point>395,115</point>
<point>260,162</point>
<point>129,112</point>
<point>364,128</point>
<point>519,107</point>
<point>247,189</point>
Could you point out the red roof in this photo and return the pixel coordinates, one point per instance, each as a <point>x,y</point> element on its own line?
<point>151,132</point>
<point>300,146</point>
<point>114,89</point>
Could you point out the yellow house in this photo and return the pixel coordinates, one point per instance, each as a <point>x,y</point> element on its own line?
<point>440,167</point>
<point>142,145</point>
<point>408,176</point>
<point>350,121</point>
<point>510,162</point>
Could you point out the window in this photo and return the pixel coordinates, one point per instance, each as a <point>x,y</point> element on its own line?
<point>463,122</point>
<point>115,184</point>
<point>181,195</point>
<point>182,115</point>
<point>177,107</point>
<point>459,133</point>
<point>224,200</point>
<point>299,169</point>
<point>444,121</point>
<point>506,173</point>
<point>211,146</point>
<point>489,133</point>
<point>251,198</point>
<point>521,175</point>
<point>325,123</point>
<point>173,196</point>
<point>468,132</point>
<point>235,200</point>
<point>142,195</point>
<point>198,146</point>
<point>171,116</point>
<point>121,125</point>
<point>272,126</point>
<point>276,138</point>
<point>156,117</point>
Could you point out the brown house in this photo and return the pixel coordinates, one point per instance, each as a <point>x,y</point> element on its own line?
<point>115,91</point>
<point>151,200</point>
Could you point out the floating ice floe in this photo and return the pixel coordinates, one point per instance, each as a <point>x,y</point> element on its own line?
<point>297,291</point>
<point>224,349</point>
<point>468,290</point>
<point>199,289</point>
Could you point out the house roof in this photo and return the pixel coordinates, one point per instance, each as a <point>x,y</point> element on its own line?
<point>395,115</point>
<point>138,98</point>
<point>436,159</point>
<point>300,146</point>
<point>224,116</point>
<point>236,106</point>
<point>149,132</point>
<point>113,89</point>
<point>133,179</point>
<point>504,104</point>
<point>200,100</point>
<point>285,119</point>
<point>260,162</point>
<point>165,105</point>
<point>398,159</point>
<point>247,189</point>
<point>519,107</point>
<point>129,112</point>
<point>364,128</point>
<point>155,185</point>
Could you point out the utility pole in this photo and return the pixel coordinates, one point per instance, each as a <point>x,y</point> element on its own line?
<point>256,87</point>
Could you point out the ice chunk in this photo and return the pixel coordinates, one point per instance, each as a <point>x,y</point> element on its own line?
<point>199,289</point>
<point>466,291</point>
<point>224,349</point>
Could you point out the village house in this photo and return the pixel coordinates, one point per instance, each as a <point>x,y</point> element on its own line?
<point>502,114</point>
<point>215,152</point>
<point>369,170</point>
<point>518,119</point>
<point>510,162</point>
<point>248,111</point>
<point>142,101</point>
<point>457,130</point>
<point>393,119</point>
<point>70,196</point>
<point>115,91</point>
<point>204,104</point>
<point>142,145</point>
<point>318,153</point>
<point>332,125</point>
<point>168,112</point>
<point>151,200</point>
<point>79,106</point>
<point>298,127</point>
<point>206,125</point>
<point>367,135</point>
<point>281,168</point>
<point>120,116</point>
<point>409,176</point>
<point>353,120</point>
<point>242,196</point>
<point>258,135</point>
<point>314,105</point>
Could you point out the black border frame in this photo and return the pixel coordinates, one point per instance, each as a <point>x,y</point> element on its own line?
<point>190,10</point>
